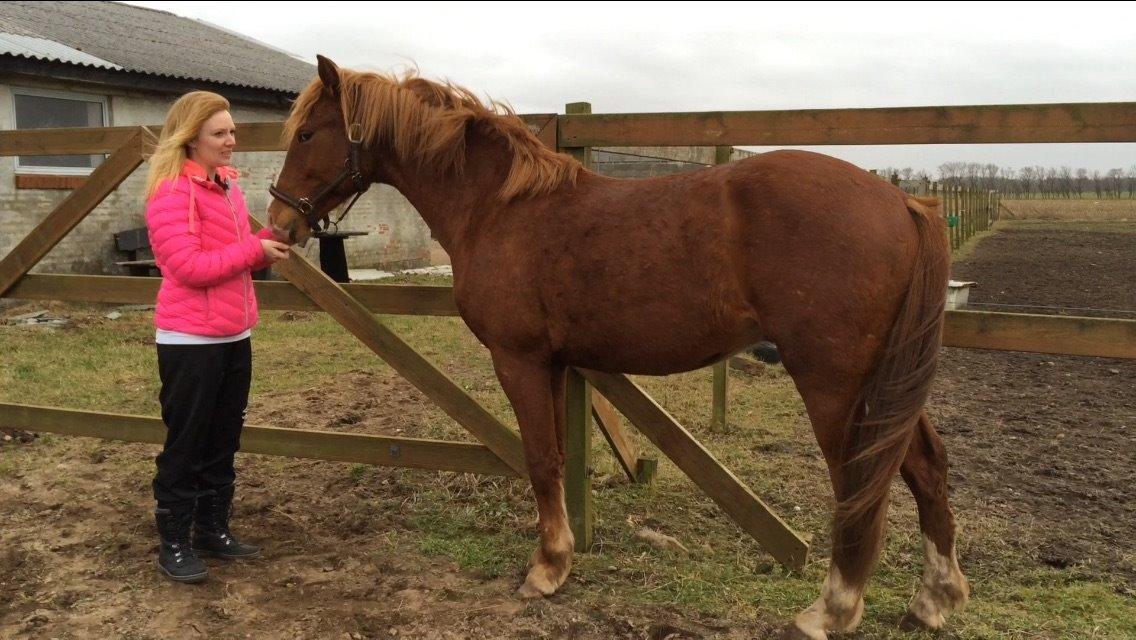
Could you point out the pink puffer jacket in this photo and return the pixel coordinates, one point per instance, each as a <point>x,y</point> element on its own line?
<point>203,244</point>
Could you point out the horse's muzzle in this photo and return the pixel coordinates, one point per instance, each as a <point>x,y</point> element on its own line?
<point>281,235</point>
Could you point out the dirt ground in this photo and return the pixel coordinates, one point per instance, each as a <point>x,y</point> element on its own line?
<point>79,565</point>
<point>76,559</point>
<point>1065,466</point>
<point>1045,441</point>
<point>1048,268</point>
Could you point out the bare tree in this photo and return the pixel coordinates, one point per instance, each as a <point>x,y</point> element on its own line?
<point>1033,181</point>
<point>1115,182</point>
<point>1065,179</point>
<point>1027,177</point>
<point>989,173</point>
<point>1082,183</point>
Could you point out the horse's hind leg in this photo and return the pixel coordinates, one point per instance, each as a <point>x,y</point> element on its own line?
<point>829,402</point>
<point>535,390</point>
<point>944,588</point>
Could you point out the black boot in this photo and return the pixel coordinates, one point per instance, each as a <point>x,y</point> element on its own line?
<point>211,527</point>
<point>176,558</point>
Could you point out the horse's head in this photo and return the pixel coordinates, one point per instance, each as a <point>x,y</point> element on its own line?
<point>412,128</point>
<point>324,165</point>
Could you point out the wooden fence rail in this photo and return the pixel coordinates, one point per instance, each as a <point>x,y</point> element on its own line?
<point>1030,123</point>
<point>1058,335</point>
<point>971,124</point>
<point>412,453</point>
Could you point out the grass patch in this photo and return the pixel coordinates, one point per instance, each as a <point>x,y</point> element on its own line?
<point>1097,226</point>
<point>476,553</point>
<point>481,533</point>
<point>1069,209</point>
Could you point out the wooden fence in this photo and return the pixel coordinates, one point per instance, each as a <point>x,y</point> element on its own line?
<point>968,211</point>
<point>354,305</point>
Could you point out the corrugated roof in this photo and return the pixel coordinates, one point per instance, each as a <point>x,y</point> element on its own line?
<point>144,40</point>
<point>42,49</point>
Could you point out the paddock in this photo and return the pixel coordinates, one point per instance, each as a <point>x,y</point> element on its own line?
<point>1072,335</point>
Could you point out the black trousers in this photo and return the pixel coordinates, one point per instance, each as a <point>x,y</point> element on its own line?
<point>204,395</point>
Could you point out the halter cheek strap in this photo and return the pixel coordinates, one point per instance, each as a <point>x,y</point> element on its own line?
<point>308,206</point>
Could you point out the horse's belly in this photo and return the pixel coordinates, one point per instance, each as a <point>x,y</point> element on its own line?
<point>655,341</point>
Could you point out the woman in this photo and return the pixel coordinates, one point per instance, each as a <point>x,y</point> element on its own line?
<point>202,242</point>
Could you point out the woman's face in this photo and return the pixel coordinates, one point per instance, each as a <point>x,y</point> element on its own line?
<point>214,144</point>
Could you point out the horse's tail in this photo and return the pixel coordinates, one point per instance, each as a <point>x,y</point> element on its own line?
<point>883,421</point>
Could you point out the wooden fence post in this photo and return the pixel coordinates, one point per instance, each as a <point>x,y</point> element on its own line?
<point>975,205</point>
<point>638,469</point>
<point>956,195</point>
<point>949,210</point>
<point>578,444</point>
<point>990,209</point>
<point>971,214</point>
<point>583,154</point>
<point>721,380</point>
<point>984,201</point>
<point>966,215</point>
<point>721,369</point>
<point>578,460</point>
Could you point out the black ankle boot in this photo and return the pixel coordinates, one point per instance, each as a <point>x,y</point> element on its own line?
<point>211,527</point>
<point>176,557</point>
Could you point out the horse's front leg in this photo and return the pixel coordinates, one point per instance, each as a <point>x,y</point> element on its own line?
<point>536,390</point>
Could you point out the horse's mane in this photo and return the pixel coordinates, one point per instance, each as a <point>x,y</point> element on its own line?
<point>424,122</point>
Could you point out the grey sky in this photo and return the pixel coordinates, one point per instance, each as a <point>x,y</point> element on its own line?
<point>706,56</point>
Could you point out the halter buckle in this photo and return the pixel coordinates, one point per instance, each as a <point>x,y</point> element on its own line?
<point>355,133</point>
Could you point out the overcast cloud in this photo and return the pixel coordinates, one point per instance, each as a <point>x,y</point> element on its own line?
<point>704,56</point>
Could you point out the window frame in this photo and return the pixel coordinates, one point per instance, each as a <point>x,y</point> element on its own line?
<point>74,96</point>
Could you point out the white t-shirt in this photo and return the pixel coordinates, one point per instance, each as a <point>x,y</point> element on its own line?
<point>177,337</point>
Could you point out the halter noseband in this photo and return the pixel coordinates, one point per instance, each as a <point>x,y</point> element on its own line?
<point>307,206</point>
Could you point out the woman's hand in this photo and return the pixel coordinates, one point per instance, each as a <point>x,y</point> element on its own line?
<point>274,250</point>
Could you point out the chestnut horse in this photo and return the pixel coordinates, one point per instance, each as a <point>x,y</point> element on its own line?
<point>556,266</point>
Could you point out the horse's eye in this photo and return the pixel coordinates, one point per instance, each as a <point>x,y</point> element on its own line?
<point>305,136</point>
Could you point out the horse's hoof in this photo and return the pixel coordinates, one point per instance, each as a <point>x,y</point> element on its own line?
<point>793,632</point>
<point>529,591</point>
<point>912,622</point>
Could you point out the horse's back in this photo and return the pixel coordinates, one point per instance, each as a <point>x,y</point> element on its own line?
<point>821,189</point>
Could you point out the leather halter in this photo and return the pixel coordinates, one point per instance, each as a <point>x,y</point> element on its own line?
<point>308,206</point>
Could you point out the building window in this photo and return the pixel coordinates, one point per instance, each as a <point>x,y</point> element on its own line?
<point>36,109</point>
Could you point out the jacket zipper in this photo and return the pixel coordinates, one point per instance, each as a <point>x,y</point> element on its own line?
<point>247,278</point>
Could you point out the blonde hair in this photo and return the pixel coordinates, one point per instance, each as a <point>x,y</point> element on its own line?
<point>183,123</point>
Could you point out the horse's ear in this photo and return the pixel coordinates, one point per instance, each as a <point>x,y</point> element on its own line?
<point>329,74</point>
